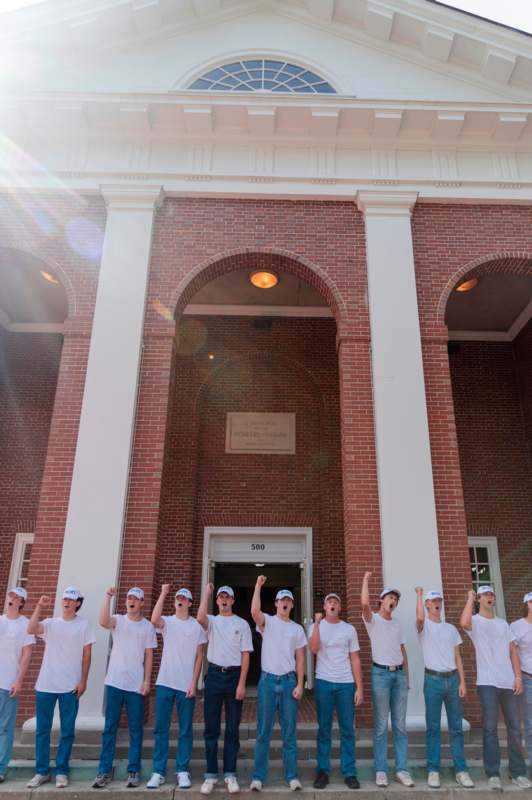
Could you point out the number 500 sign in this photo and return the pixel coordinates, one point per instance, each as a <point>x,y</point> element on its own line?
<point>257,546</point>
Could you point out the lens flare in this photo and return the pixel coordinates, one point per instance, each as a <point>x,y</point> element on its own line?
<point>85,238</point>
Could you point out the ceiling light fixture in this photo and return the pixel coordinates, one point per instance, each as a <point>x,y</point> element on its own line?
<point>466,286</point>
<point>264,280</point>
<point>48,277</point>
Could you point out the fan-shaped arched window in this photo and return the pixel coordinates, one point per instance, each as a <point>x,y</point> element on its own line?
<point>262,75</point>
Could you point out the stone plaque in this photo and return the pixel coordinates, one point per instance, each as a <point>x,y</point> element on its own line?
<point>256,432</point>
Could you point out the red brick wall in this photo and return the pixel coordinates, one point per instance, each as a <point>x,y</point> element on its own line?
<point>495,458</point>
<point>523,356</point>
<point>28,373</point>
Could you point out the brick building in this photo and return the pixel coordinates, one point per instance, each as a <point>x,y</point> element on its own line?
<point>164,419</point>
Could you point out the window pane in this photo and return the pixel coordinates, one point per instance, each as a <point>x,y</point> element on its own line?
<point>262,75</point>
<point>482,555</point>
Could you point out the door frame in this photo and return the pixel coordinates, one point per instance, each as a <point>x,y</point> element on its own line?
<point>248,551</point>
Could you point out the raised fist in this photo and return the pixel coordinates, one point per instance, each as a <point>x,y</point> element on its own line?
<point>209,588</point>
<point>367,576</point>
<point>44,601</point>
<point>111,591</point>
<point>261,580</point>
<point>318,616</point>
<point>165,588</point>
<point>472,595</point>
<point>419,591</point>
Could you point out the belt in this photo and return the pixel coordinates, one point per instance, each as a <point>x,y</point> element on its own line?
<point>216,668</point>
<point>393,668</point>
<point>528,674</point>
<point>440,674</point>
<point>284,675</point>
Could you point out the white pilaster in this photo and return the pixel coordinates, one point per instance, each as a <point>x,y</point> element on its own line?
<point>93,533</point>
<point>409,532</point>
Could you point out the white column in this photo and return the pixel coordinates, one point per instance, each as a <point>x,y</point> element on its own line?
<point>93,533</point>
<point>409,531</point>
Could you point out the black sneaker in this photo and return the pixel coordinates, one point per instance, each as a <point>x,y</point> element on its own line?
<point>101,780</point>
<point>352,782</point>
<point>2,777</point>
<point>321,780</point>
<point>133,780</point>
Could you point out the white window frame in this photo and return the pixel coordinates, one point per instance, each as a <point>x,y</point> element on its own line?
<point>491,544</point>
<point>21,540</point>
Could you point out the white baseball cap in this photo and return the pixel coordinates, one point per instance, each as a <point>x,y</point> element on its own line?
<point>227,590</point>
<point>387,590</point>
<point>282,593</point>
<point>526,599</point>
<point>485,590</point>
<point>20,591</point>
<point>434,594</point>
<point>71,593</point>
<point>184,593</point>
<point>137,592</point>
<point>332,594</point>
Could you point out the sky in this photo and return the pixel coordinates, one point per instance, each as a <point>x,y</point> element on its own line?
<point>517,13</point>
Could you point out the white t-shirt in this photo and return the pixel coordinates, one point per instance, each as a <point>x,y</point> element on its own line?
<point>522,630</point>
<point>130,641</point>
<point>491,638</point>
<point>229,637</point>
<point>181,640</point>
<point>64,641</point>
<point>337,641</point>
<point>13,637</point>
<point>386,637</point>
<point>438,640</point>
<point>280,640</point>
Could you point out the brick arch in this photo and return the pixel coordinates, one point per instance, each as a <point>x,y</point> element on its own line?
<point>55,267</point>
<point>497,263</point>
<point>259,355</point>
<point>259,258</point>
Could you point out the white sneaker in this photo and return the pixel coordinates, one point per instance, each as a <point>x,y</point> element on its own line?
<point>208,785</point>
<point>255,785</point>
<point>295,785</point>
<point>37,781</point>
<point>464,780</point>
<point>494,782</point>
<point>434,780</point>
<point>155,781</point>
<point>404,777</point>
<point>232,784</point>
<point>522,781</point>
<point>183,780</point>
<point>61,781</point>
<point>381,779</point>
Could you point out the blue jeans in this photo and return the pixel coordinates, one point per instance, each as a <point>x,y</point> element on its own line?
<point>134,703</point>
<point>164,705</point>
<point>389,692</point>
<point>68,711</point>
<point>8,715</point>
<point>490,699</point>
<point>274,695</point>
<point>439,691</point>
<point>220,690</point>
<point>328,696</point>
<point>527,707</point>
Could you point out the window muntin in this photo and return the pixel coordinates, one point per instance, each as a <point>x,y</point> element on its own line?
<point>262,75</point>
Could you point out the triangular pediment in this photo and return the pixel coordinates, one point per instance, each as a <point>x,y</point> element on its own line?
<point>404,49</point>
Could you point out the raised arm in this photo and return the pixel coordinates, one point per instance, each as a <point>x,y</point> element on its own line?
<point>256,612</point>
<point>314,642</point>
<point>467,614</point>
<point>157,613</point>
<point>204,606</point>
<point>356,669</point>
<point>34,626</point>
<point>22,669</point>
<point>106,620</point>
<point>364,598</point>
<point>420,611</point>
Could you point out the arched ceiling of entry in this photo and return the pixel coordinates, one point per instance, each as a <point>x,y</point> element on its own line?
<point>30,291</point>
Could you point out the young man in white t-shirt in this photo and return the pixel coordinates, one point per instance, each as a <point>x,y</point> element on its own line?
<point>127,682</point>
<point>62,679</point>
<point>499,682</point>
<point>338,685</point>
<point>281,683</point>
<point>177,681</point>
<point>444,684</point>
<point>225,683</point>
<point>389,682</point>
<point>16,646</point>
<point>522,630</point>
